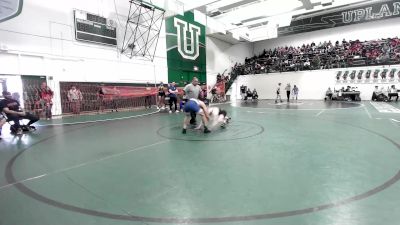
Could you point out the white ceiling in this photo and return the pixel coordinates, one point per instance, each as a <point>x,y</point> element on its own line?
<point>237,21</point>
<point>241,17</point>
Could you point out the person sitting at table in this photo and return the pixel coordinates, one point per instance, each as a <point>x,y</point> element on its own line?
<point>378,95</point>
<point>393,93</point>
<point>375,94</point>
<point>255,94</point>
<point>328,94</point>
<point>249,94</point>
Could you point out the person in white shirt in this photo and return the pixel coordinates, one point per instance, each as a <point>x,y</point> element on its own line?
<point>278,94</point>
<point>375,93</point>
<point>217,118</point>
<point>288,88</point>
<point>328,94</point>
<point>75,98</point>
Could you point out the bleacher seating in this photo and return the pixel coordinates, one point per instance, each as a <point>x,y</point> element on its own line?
<point>325,55</point>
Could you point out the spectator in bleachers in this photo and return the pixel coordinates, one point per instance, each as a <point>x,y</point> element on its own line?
<point>203,94</point>
<point>75,98</point>
<point>46,99</point>
<point>227,77</point>
<point>11,108</point>
<point>325,55</point>
<point>393,93</point>
<point>219,77</point>
<point>214,95</point>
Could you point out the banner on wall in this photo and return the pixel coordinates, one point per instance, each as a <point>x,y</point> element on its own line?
<point>361,14</point>
<point>114,95</point>
<point>370,76</point>
<point>127,91</point>
<point>186,49</point>
<point>111,90</point>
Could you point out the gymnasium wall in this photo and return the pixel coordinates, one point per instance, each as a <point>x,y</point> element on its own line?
<point>312,84</point>
<point>222,55</point>
<point>365,31</point>
<point>40,41</point>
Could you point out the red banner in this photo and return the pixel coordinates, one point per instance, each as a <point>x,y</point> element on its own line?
<point>130,91</point>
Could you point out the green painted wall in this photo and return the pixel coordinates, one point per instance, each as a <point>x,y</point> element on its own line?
<point>182,59</point>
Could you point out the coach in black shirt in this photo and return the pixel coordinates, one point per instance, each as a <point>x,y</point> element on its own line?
<point>12,109</point>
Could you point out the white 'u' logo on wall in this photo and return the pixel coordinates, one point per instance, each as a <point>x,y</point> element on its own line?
<point>187,51</point>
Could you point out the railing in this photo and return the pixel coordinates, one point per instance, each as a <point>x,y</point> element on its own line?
<point>316,62</point>
<point>117,103</point>
<point>300,65</point>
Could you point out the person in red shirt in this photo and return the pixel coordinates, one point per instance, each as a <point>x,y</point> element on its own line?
<point>46,99</point>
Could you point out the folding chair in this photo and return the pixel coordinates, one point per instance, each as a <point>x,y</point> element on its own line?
<point>13,130</point>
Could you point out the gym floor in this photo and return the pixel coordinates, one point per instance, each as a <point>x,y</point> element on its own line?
<point>309,162</point>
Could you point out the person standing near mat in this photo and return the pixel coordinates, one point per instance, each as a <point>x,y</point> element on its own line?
<point>278,94</point>
<point>100,99</point>
<point>75,98</point>
<point>161,96</point>
<point>192,91</point>
<point>288,89</point>
<point>295,92</point>
<point>243,91</point>
<point>197,107</point>
<point>173,92</point>
<point>46,99</point>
